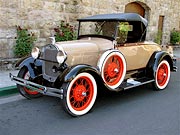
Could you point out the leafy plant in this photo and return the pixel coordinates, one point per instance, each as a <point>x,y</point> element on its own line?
<point>158,37</point>
<point>123,32</point>
<point>64,32</point>
<point>175,37</point>
<point>24,42</point>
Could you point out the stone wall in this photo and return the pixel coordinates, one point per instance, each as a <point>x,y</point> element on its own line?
<point>41,16</point>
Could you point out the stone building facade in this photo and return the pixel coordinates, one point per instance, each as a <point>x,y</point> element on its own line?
<point>41,16</point>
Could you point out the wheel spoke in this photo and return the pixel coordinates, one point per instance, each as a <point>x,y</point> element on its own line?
<point>86,85</point>
<point>81,81</point>
<point>73,102</point>
<point>113,58</point>
<point>78,104</point>
<point>107,78</point>
<point>71,96</point>
<point>117,61</point>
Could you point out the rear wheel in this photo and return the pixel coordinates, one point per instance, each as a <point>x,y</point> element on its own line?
<point>26,92</point>
<point>80,94</point>
<point>162,75</point>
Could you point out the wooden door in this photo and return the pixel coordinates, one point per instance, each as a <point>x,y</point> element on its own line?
<point>135,8</point>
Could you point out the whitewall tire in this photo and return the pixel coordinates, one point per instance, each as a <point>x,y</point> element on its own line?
<point>80,95</point>
<point>162,75</point>
<point>112,65</point>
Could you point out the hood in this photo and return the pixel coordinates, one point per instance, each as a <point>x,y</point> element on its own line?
<point>84,51</point>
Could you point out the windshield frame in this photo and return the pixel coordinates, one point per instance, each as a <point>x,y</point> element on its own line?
<point>141,37</point>
<point>97,35</point>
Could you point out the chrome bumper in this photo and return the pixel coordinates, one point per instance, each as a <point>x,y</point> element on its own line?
<point>37,87</point>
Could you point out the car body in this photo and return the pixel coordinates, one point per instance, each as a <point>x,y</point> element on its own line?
<point>110,51</point>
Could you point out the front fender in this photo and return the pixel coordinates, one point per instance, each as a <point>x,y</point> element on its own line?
<point>155,59</point>
<point>72,72</point>
<point>75,70</point>
<point>30,63</point>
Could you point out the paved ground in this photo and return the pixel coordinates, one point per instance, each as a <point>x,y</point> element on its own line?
<point>177,52</point>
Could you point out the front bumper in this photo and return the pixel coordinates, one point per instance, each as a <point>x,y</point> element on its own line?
<point>37,87</point>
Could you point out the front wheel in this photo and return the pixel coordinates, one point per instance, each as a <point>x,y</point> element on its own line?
<point>162,75</point>
<point>80,94</point>
<point>26,92</point>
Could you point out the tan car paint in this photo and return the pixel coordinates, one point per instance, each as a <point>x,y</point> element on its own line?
<point>86,50</point>
<point>137,55</point>
<point>89,50</point>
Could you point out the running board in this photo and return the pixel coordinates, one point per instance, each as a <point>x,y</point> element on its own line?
<point>131,83</point>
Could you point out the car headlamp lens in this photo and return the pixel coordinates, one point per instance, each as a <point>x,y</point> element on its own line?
<point>60,57</point>
<point>35,52</point>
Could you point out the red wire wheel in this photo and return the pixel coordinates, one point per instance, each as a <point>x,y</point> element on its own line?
<point>81,94</point>
<point>26,92</point>
<point>29,91</point>
<point>162,75</point>
<point>114,69</point>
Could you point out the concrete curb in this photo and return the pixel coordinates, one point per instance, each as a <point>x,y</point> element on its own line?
<point>5,91</point>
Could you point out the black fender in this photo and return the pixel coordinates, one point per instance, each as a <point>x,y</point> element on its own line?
<point>154,61</point>
<point>30,63</point>
<point>75,70</point>
<point>71,72</point>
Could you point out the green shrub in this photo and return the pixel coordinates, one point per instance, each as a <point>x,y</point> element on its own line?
<point>24,42</point>
<point>175,37</point>
<point>64,32</point>
<point>158,37</point>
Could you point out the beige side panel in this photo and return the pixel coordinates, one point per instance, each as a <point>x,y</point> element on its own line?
<point>137,56</point>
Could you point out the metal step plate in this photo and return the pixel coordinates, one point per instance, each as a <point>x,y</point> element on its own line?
<point>131,83</point>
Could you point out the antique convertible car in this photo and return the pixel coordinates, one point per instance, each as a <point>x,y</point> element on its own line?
<point>110,51</point>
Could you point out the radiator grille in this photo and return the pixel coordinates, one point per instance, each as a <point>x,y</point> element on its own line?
<point>49,62</point>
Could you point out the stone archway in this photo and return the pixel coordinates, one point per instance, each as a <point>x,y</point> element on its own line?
<point>139,8</point>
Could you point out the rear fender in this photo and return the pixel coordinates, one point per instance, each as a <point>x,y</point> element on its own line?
<point>155,59</point>
<point>30,63</point>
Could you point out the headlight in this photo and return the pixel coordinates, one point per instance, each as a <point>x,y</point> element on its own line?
<point>35,52</point>
<point>60,57</point>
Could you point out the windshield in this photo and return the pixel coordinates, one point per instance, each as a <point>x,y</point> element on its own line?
<point>122,32</point>
<point>102,28</point>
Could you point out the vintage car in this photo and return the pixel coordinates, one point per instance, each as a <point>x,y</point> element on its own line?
<point>110,51</point>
